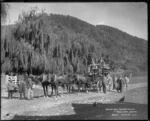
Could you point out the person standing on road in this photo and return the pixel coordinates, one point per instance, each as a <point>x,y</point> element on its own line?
<point>110,82</point>
<point>10,87</point>
<point>30,88</point>
<point>120,84</point>
<point>6,78</point>
<point>126,81</point>
<point>100,85</point>
<point>22,86</point>
<point>114,82</point>
<point>104,81</point>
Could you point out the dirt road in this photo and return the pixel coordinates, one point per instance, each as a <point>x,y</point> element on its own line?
<point>41,106</point>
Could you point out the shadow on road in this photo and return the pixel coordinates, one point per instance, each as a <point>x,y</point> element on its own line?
<point>99,111</point>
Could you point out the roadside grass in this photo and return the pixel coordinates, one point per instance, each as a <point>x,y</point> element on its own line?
<point>128,72</point>
<point>141,79</point>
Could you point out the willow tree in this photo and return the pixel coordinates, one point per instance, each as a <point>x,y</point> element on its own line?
<point>7,66</point>
<point>31,39</point>
<point>4,11</point>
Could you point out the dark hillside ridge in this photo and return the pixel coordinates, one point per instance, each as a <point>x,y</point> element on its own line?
<point>110,37</point>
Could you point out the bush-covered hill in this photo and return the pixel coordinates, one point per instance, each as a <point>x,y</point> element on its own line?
<point>62,44</point>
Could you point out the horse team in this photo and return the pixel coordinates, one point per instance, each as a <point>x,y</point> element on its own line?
<point>68,82</point>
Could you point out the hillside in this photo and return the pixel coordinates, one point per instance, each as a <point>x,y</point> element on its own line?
<point>59,43</point>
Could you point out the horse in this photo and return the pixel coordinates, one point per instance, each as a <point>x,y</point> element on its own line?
<point>44,80</point>
<point>64,81</point>
<point>70,83</point>
<point>81,81</point>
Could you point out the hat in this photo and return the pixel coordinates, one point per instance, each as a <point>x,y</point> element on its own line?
<point>10,80</point>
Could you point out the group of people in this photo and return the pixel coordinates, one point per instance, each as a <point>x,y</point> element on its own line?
<point>117,83</point>
<point>24,83</point>
<point>108,83</point>
<point>96,65</point>
<point>21,83</point>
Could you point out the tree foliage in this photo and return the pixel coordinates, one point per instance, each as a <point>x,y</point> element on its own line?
<point>64,44</point>
<point>4,11</point>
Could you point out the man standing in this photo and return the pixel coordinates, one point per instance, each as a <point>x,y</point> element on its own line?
<point>114,82</point>
<point>100,85</point>
<point>126,80</point>
<point>22,86</point>
<point>120,84</point>
<point>104,81</point>
<point>10,87</point>
<point>110,82</point>
<point>30,88</point>
<point>6,78</point>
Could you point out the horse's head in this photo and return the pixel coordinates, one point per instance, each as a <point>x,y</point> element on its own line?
<point>50,77</point>
<point>36,79</point>
<point>74,77</point>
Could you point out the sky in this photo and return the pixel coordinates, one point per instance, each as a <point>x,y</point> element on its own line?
<point>130,17</point>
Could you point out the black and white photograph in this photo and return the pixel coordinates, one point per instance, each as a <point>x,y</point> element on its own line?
<point>74,61</point>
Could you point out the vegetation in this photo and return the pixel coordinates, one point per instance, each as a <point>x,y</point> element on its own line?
<point>4,11</point>
<point>63,44</point>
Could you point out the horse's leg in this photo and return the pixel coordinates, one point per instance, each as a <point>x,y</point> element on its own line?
<point>63,87</point>
<point>97,85</point>
<point>56,91</point>
<point>69,88</point>
<point>56,88</point>
<point>86,88</point>
<point>72,88</point>
<point>52,89</point>
<point>44,89</point>
<point>101,86</point>
<point>79,88</point>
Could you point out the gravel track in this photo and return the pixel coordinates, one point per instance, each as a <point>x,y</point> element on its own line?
<point>61,106</point>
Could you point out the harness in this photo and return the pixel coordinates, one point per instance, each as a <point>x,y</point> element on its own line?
<point>77,77</point>
<point>44,77</point>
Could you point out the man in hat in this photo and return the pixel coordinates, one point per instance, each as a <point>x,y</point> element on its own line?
<point>110,82</point>
<point>120,84</point>
<point>104,81</point>
<point>30,88</point>
<point>22,86</point>
<point>10,87</point>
